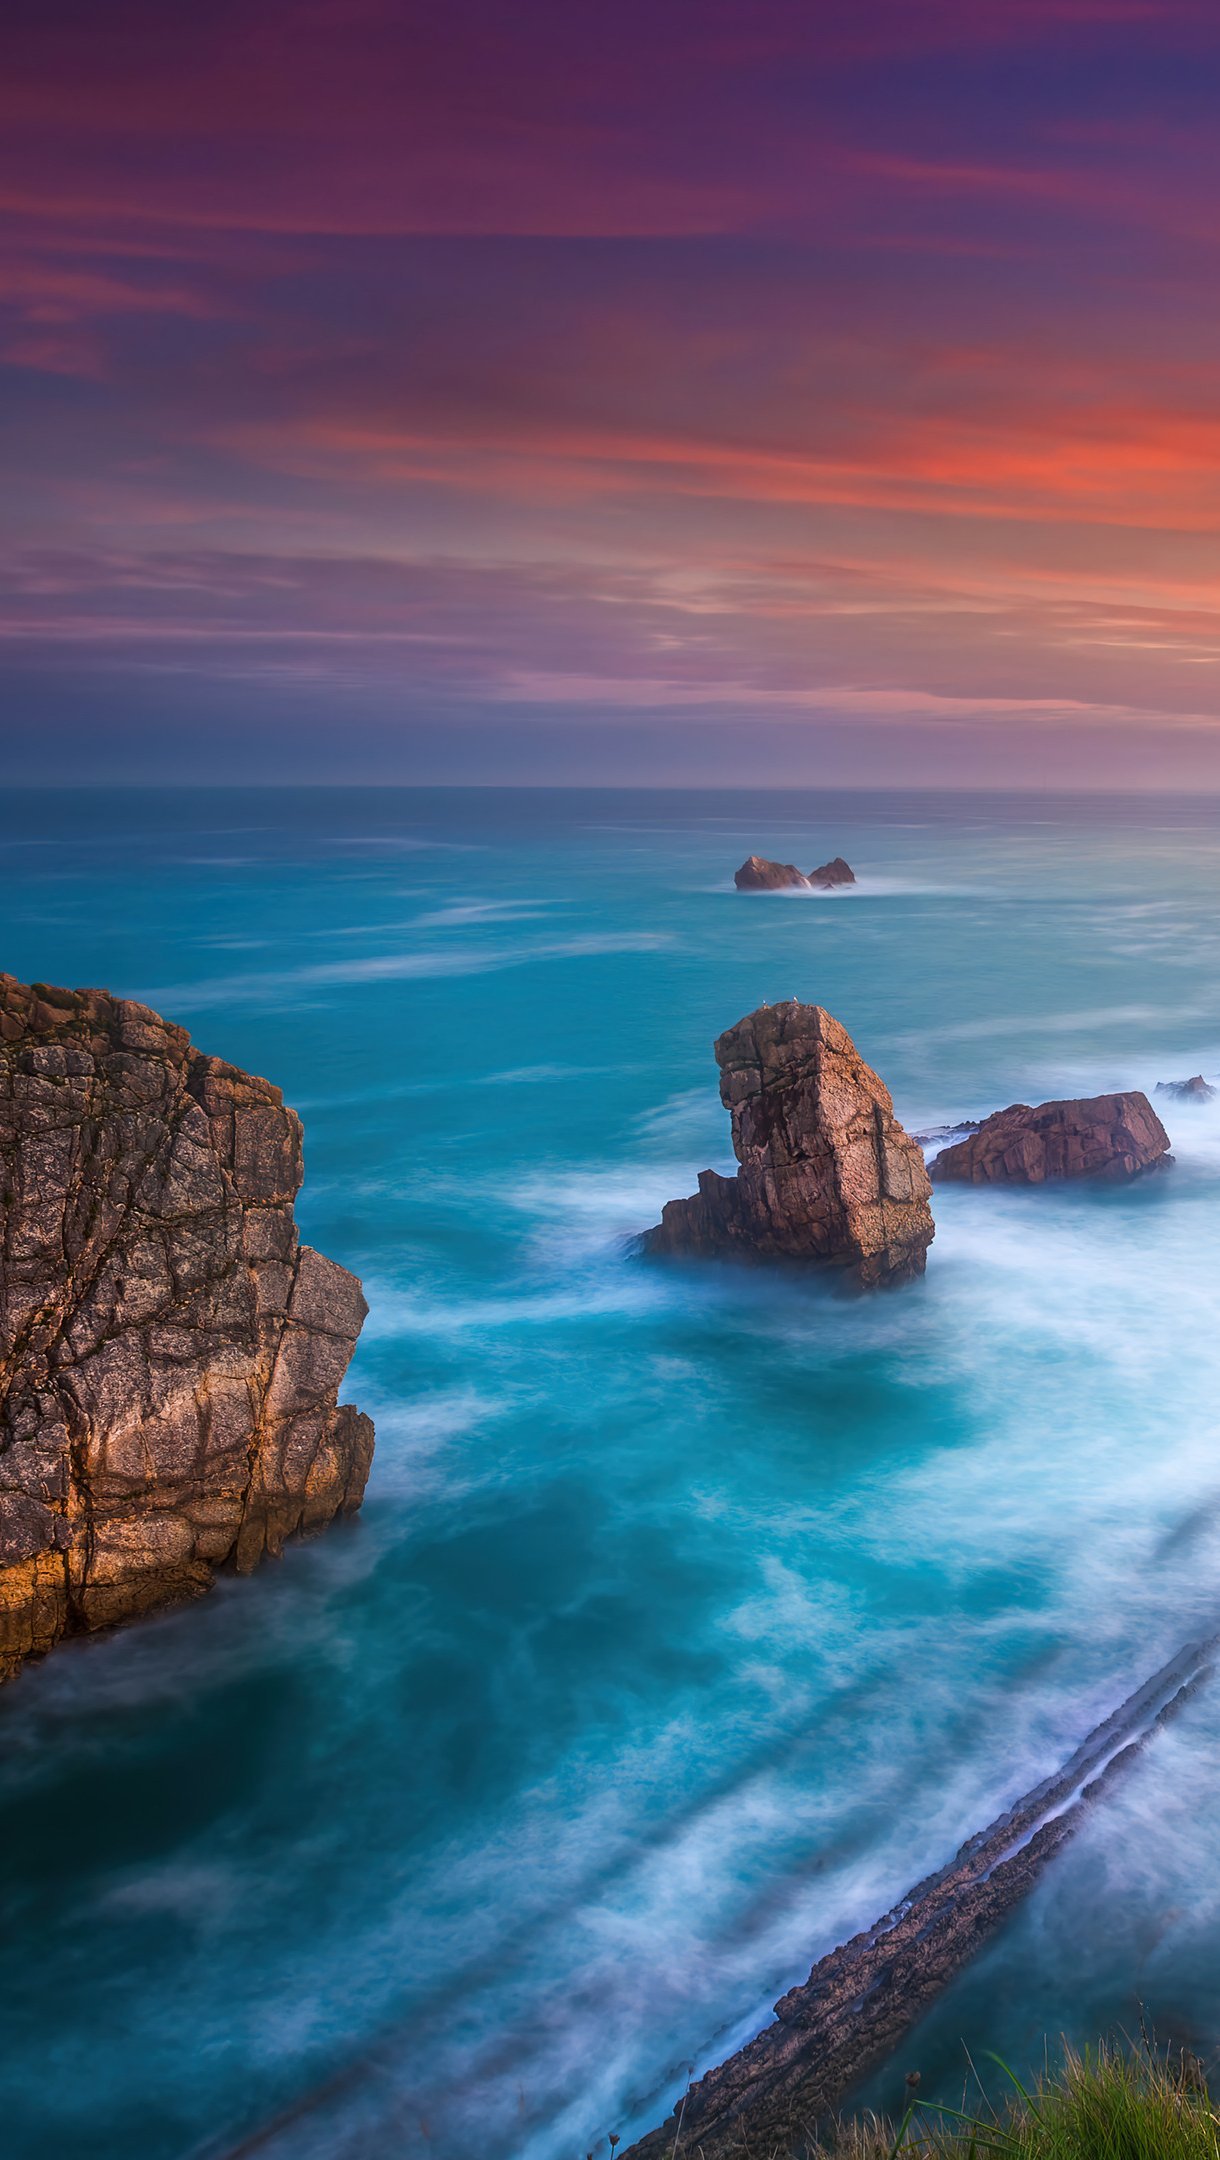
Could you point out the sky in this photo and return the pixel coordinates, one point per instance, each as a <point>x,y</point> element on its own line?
<point>699,391</point>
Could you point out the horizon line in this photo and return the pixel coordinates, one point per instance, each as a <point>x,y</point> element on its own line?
<point>600,787</point>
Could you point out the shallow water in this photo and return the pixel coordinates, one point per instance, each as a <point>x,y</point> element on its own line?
<point>692,1614</point>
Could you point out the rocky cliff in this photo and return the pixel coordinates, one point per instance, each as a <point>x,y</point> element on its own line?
<point>827,1172</point>
<point>1107,1136</point>
<point>170,1353</point>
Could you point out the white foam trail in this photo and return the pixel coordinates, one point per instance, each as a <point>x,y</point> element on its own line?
<point>268,985</point>
<point>866,887</point>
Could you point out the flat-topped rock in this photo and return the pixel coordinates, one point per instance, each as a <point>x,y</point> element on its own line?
<point>170,1353</point>
<point>1097,1136</point>
<point>827,1173</point>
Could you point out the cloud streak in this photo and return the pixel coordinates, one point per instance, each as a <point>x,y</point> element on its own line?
<point>847,362</point>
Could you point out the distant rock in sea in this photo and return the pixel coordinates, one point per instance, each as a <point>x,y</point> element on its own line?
<point>832,873</point>
<point>758,874</point>
<point>1100,1136</point>
<point>170,1353</point>
<point>827,1173</point>
<point>1196,1090</point>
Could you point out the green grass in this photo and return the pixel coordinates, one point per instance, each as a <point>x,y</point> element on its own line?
<point>1106,2104</point>
<point>1109,2103</point>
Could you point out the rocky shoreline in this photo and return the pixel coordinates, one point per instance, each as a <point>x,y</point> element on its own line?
<point>861,1998</point>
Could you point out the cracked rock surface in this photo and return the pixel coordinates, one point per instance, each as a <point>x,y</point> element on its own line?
<point>170,1353</point>
<point>827,1172</point>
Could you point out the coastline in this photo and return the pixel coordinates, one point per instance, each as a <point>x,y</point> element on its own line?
<point>860,1999</point>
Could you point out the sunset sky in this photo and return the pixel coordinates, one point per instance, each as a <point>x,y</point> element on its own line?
<point>699,390</point>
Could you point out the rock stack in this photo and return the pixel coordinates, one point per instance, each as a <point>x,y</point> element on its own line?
<point>827,1173</point>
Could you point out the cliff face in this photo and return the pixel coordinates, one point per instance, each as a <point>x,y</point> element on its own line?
<point>827,1172</point>
<point>170,1353</point>
<point>1105,1136</point>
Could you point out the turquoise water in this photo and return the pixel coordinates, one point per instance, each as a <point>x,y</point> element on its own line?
<point>692,1613</point>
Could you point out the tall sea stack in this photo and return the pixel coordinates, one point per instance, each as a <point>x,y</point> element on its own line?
<point>170,1353</point>
<point>827,1173</point>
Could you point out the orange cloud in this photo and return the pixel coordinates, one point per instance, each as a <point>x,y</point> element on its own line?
<point>1143,466</point>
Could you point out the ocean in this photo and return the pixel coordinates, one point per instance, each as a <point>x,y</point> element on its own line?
<point>694,1612</point>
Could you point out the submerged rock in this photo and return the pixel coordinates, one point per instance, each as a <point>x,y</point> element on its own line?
<point>1102,1136</point>
<point>1196,1090</point>
<point>832,873</point>
<point>827,1172</point>
<point>170,1353</point>
<point>758,875</point>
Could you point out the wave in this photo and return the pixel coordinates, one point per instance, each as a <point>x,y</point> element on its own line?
<point>395,1313</point>
<point>1075,1022</point>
